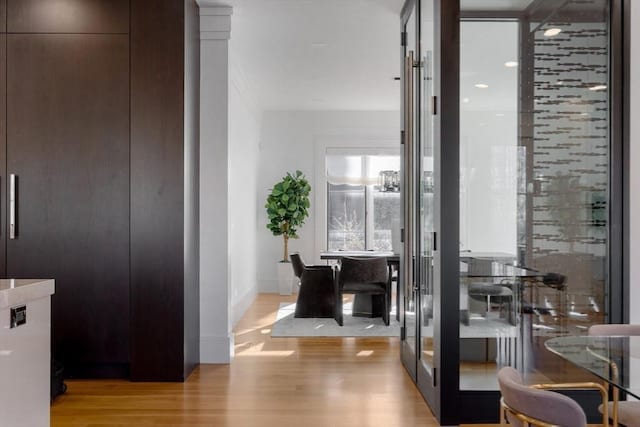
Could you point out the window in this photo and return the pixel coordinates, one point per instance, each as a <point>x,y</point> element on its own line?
<point>363,199</point>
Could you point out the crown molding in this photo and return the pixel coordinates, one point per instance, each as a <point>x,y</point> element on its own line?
<point>215,22</point>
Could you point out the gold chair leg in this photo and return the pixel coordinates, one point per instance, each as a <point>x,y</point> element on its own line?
<point>616,397</point>
<point>605,407</point>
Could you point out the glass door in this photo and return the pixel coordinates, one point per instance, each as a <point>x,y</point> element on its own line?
<point>418,346</point>
<point>407,283</point>
<point>425,188</point>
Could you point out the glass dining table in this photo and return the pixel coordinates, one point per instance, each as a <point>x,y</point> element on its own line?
<point>613,359</point>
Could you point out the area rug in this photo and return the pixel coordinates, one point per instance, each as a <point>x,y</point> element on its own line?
<point>288,326</point>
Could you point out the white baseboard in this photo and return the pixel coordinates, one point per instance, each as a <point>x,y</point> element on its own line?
<point>241,307</point>
<point>216,349</point>
<point>268,286</point>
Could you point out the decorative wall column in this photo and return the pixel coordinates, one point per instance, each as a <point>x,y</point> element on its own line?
<point>216,339</point>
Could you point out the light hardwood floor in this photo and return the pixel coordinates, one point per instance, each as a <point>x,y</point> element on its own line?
<point>280,382</point>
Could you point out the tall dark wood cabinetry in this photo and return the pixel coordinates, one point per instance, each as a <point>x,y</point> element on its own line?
<point>96,132</point>
<point>70,153</point>
<point>3,135</point>
<point>165,75</point>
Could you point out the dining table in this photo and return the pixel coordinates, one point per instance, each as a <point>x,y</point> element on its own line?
<point>473,265</point>
<point>615,360</point>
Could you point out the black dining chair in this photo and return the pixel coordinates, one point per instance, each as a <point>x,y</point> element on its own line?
<point>365,278</point>
<point>316,296</point>
<point>298,265</point>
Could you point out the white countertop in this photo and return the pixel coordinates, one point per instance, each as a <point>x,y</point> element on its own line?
<point>19,291</point>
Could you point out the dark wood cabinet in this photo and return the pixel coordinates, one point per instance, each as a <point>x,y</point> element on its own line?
<point>3,16</point>
<point>164,288</point>
<point>68,16</point>
<point>3,149</point>
<point>106,159</point>
<point>68,144</point>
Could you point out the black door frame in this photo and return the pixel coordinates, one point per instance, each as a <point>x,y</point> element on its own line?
<point>450,404</point>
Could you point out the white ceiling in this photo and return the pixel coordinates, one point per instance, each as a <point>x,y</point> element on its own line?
<point>318,54</point>
<point>344,54</point>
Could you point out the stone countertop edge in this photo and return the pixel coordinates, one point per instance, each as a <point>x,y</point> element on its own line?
<point>20,291</point>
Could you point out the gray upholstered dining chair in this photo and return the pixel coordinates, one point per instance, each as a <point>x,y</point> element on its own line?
<point>628,412</point>
<point>316,296</point>
<point>522,405</point>
<point>367,276</point>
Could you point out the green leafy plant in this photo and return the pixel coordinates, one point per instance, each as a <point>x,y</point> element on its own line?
<point>288,207</point>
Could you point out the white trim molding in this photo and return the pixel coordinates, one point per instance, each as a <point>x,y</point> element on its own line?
<point>215,276</point>
<point>215,22</point>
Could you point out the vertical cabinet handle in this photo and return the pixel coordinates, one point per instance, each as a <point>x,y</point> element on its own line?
<point>13,230</point>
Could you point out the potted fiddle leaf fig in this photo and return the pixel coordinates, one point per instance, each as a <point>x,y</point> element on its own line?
<point>287,208</point>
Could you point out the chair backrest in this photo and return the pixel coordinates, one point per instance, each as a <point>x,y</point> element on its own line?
<point>297,263</point>
<point>364,270</point>
<point>615,330</point>
<point>541,405</point>
<point>555,280</point>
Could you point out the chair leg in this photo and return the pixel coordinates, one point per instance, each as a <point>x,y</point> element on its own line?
<point>387,309</point>
<point>398,300</point>
<point>338,314</point>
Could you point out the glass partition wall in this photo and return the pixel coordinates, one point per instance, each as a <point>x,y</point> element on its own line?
<point>534,179</point>
<point>531,235</point>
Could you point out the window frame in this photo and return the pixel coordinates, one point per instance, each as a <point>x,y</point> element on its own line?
<point>387,142</point>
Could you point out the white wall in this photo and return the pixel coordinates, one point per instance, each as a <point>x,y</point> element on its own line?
<point>288,142</point>
<point>244,137</point>
<point>634,172</point>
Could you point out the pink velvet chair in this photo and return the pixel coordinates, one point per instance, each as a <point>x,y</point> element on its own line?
<point>522,405</point>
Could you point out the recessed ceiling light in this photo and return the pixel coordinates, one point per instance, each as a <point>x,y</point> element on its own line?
<point>465,100</point>
<point>559,82</point>
<point>481,85</point>
<point>551,32</point>
<point>598,87</point>
<point>499,114</point>
<point>511,64</point>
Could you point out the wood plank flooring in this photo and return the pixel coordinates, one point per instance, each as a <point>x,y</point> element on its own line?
<point>280,382</point>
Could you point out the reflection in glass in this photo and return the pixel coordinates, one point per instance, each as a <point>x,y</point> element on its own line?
<point>534,144</point>
<point>426,190</point>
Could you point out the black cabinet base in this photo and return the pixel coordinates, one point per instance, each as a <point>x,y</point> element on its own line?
<point>96,370</point>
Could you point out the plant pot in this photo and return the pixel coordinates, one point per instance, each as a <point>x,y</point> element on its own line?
<point>286,278</point>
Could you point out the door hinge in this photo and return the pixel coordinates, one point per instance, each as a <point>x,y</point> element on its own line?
<point>402,235</point>
<point>434,373</point>
<point>403,333</point>
<point>435,241</point>
<point>434,105</point>
<point>403,38</point>
<point>401,137</point>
